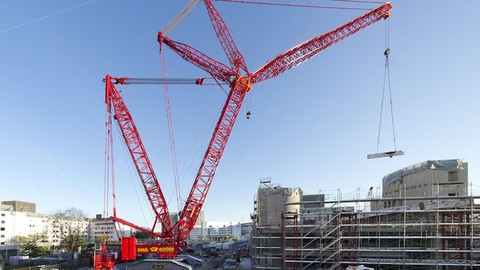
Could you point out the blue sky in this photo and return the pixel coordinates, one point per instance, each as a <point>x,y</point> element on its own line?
<point>311,127</point>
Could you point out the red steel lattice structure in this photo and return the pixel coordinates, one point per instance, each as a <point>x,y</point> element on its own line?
<point>239,86</point>
<point>140,158</point>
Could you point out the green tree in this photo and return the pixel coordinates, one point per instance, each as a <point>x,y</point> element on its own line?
<point>100,239</point>
<point>72,227</point>
<point>141,235</point>
<point>33,244</point>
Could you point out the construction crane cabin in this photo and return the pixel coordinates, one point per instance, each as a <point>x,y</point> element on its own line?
<point>240,81</point>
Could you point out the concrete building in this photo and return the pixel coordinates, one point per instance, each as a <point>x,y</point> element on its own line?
<point>312,204</point>
<point>426,220</point>
<point>221,231</point>
<point>25,222</point>
<point>21,206</point>
<point>271,201</point>
<point>104,228</point>
<point>13,224</point>
<point>431,178</point>
<point>200,229</point>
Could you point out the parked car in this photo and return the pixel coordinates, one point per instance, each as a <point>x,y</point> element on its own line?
<point>229,264</point>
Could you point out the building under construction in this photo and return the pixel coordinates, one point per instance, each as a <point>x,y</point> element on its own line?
<point>440,230</point>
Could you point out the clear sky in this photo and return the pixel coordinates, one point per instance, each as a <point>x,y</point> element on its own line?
<point>311,127</point>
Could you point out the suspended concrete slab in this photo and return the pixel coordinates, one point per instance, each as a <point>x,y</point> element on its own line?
<point>389,154</point>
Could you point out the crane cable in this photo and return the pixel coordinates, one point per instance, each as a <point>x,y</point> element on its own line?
<point>109,174</point>
<point>180,16</point>
<point>109,171</point>
<point>131,167</point>
<point>302,5</point>
<point>107,161</point>
<point>170,129</point>
<point>386,83</point>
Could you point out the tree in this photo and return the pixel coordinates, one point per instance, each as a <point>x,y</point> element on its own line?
<point>33,244</point>
<point>141,235</point>
<point>99,239</point>
<point>72,228</point>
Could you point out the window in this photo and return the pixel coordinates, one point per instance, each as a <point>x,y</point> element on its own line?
<point>3,214</point>
<point>453,176</point>
<point>3,221</point>
<point>2,229</point>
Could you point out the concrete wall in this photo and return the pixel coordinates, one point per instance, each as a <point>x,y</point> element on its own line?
<point>427,180</point>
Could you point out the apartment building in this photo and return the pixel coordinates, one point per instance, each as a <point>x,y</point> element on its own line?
<point>104,228</point>
<point>26,222</point>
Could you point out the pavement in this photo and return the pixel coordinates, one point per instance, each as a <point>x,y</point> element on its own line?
<point>208,263</point>
<point>217,263</point>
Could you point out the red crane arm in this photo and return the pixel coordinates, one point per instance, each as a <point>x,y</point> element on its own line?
<point>310,48</point>
<point>212,157</point>
<point>139,155</point>
<point>235,58</point>
<point>131,225</point>
<point>216,69</point>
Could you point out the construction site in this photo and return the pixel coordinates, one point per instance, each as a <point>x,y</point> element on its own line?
<point>424,216</point>
<point>171,234</point>
<point>435,231</point>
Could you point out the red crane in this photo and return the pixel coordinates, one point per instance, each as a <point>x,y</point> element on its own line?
<point>240,80</point>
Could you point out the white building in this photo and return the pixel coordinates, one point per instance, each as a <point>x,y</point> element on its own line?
<point>14,224</point>
<point>200,230</point>
<point>100,228</point>
<point>23,223</point>
<point>220,231</point>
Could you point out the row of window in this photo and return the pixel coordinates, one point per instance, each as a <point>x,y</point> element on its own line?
<point>103,233</point>
<point>104,228</point>
<point>103,223</point>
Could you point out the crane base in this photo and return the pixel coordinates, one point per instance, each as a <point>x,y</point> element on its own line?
<point>386,154</point>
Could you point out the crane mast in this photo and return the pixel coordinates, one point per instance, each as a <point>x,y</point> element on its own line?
<point>212,157</point>
<point>139,156</point>
<point>239,86</point>
<point>235,58</point>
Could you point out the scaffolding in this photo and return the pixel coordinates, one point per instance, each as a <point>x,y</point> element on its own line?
<point>419,233</point>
